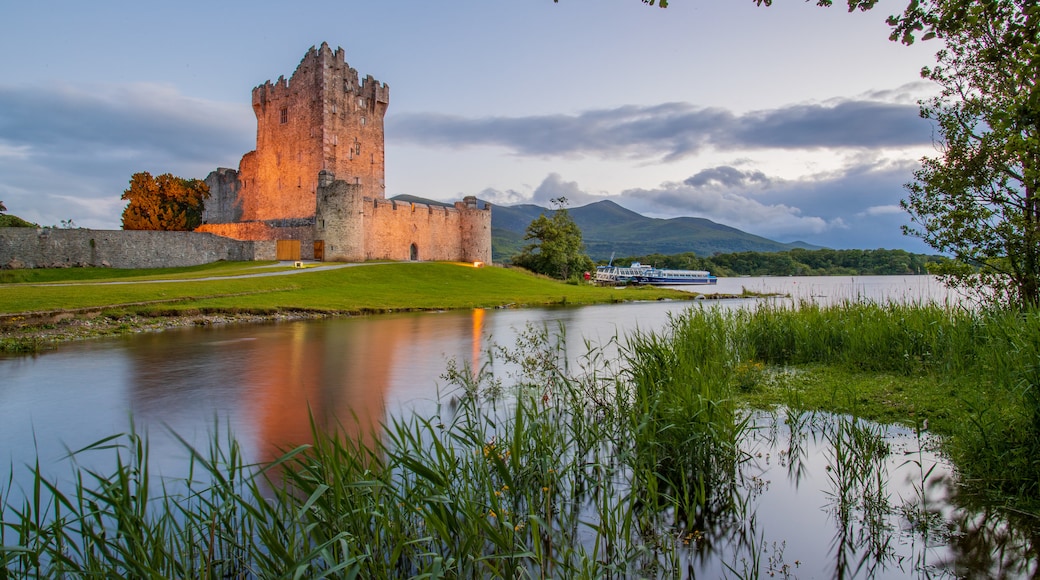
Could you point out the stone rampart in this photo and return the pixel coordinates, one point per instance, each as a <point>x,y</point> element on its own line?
<point>57,248</point>
<point>415,231</point>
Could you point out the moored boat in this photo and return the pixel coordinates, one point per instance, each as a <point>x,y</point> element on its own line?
<point>642,274</point>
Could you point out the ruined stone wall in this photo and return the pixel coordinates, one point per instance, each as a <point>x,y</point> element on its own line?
<point>224,204</point>
<point>56,248</point>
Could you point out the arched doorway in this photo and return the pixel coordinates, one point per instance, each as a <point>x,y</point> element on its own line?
<point>413,253</point>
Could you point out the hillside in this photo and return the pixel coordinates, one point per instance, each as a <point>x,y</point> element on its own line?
<point>609,229</point>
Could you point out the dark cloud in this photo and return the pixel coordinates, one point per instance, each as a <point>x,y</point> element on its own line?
<point>673,130</point>
<point>727,177</point>
<point>123,121</point>
<point>68,152</point>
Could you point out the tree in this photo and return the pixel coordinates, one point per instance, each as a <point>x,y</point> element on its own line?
<point>165,202</point>
<point>977,200</point>
<point>558,250</point>
<point>3,207</point>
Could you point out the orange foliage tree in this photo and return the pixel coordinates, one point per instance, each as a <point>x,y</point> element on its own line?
<point>165,202</point>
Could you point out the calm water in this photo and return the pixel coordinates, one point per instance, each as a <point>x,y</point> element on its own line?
<point>264,380</point>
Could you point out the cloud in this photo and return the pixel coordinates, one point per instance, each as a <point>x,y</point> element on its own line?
<point>732,207</point>
<point>507,197</point>
<point>724,176</point>
<point>120,122</point>
<point>856,206</point>
<point>71,149</point>
<point>673,131</point>
<point>554,187</point>
<point>882,210</point>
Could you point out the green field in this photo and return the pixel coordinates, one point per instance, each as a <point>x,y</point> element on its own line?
<point>376,287</point>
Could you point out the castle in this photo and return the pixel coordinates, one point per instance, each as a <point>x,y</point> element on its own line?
<point>315,182</point>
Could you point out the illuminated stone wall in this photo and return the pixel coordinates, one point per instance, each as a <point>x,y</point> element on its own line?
<point>319,159</point>
<point>355,228</point>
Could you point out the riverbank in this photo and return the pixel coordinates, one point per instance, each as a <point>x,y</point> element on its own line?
<point>40,309</point>
<point>643,470</point>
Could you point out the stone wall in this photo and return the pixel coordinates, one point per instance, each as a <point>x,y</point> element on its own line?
<point>437,233</point>
<point>56,248</point>
<point>355,228</point>
<point>302,230</point>
<point>224,204</point>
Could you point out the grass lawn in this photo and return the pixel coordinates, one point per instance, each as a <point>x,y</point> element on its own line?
<point>364,288</point>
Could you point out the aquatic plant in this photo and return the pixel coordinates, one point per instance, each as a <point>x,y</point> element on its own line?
<point>586,475</point>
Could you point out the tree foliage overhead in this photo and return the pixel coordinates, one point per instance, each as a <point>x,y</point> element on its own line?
<point>165,202</point>
<point>558,250</point>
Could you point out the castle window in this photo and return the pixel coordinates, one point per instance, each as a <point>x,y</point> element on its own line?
<point>333,108</point>
<point>335,139</point>
<point>299,182</point>
<point>285,115</point>
<point>357,148</point>
<point>362,121</point>
<point>361,102</point>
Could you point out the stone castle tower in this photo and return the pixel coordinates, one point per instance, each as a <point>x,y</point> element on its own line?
<point>318,133</point>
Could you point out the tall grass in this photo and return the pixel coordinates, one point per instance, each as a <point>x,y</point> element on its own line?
<point>532,468</point>
<point>686,425</point>
<point>987,363</point>
<point>573,475</point>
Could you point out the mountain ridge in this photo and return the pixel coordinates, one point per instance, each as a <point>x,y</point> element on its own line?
<point>611,229</point>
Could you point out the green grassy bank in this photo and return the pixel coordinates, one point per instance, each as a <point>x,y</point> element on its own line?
<point>971,376</point>
<point>369,287</point>
<point>30,299</point>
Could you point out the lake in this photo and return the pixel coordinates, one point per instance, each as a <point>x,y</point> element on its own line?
<point>265,381</point>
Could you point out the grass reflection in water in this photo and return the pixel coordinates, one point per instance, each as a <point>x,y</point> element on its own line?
<point>639,466</point>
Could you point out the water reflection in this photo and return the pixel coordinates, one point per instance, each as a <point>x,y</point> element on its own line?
<point>858,500</point>
<point>796,517</point>
<point>275,379</point>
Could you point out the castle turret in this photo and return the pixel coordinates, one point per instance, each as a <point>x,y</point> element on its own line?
<point>475,229</point>
<point>339,220</point>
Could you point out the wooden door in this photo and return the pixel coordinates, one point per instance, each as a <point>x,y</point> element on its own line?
<point>287,249</point>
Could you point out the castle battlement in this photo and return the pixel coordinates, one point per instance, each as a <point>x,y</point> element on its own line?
<point>334,67</point>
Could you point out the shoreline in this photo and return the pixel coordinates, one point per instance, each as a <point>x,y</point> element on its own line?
<point>30,332</point>
<point>35,332</point>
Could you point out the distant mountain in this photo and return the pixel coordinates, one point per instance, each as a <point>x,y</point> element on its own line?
<point>608,228</point>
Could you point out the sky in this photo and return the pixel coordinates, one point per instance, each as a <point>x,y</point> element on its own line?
<point>792,122</point>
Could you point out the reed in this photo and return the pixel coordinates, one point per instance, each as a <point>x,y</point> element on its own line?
<point>975,374</point>
<point>535,467</point>
<point>579,474</point>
